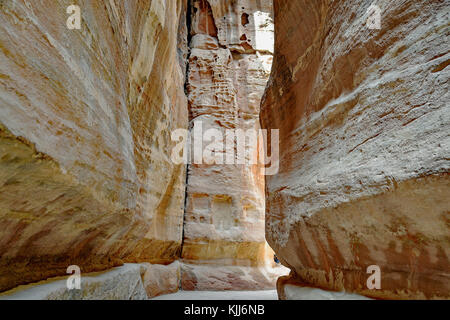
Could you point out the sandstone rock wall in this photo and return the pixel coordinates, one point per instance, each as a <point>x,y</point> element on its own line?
<point>121,283</point>
<point>231,46</point>
<point>131,281</point>
<point>364,146</point>
<point>85,123</point>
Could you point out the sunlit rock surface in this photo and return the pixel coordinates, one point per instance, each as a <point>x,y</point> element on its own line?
<point>85,123</point>
<point>231,46</point>
<point>364,146</point>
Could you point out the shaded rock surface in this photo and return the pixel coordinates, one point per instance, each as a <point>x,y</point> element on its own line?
<point>364,146</point>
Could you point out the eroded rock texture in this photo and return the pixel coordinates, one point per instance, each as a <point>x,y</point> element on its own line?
<point>231,53</point>
<point>364,146</point>
<point>161,279</point>
<point>216,277</point>
<point>121,283</point>
<point>85,123</point>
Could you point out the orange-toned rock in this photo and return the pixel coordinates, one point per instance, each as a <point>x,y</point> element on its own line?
<point>364,127</point>
<point>85,124</point>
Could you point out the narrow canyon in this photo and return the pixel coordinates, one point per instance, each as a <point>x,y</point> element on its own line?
<point>99,150</point>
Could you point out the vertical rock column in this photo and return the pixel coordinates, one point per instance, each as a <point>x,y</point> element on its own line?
<point>224,245</point>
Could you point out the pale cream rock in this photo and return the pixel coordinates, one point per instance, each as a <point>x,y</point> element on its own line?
<point>228,71</point>
<point>304,293</point>
<point>221,295</point>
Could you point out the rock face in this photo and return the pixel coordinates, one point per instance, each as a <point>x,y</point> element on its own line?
<point>161,279</point>
<point>364,146</point>
<point>229,66</point>
<point>121,283</point>
<point>85,123</point>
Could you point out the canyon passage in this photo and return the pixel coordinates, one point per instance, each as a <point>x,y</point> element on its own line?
<point>354,98</point>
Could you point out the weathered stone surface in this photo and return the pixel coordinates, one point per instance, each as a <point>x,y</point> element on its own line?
<point>86,117</point>
<point>304,293</point>
<point>160,279</point>
<point>227,277</point>
<point>259,295</point>
<point>364,146</point>
<point>121,283</point>
<point>229,67</point>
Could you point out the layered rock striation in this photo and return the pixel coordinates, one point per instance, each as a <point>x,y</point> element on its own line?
<point>85,124</point>
<point>364,127</point>
<point>231,44</point>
